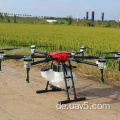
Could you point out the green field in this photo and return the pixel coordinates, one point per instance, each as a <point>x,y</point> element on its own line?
<point>63,37</point>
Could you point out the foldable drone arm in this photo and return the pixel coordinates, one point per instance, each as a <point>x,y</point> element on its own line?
<point>85,62</point>
<point>75,53</point>
<point>42,61</point>
<point>86,57</point>
<point>38,56</point>
<point>23,56</point>
<point>95,57</point>
<point>45,53</point>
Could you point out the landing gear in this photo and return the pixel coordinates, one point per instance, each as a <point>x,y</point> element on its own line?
<point>62,67</point>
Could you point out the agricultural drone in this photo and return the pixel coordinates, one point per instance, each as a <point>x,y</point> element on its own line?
<point>60,75</point>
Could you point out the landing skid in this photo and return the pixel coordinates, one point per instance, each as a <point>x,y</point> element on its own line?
<point>69,101</point>
<point>44,91</point>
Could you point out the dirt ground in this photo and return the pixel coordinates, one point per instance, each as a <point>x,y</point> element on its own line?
<point>19,101</point>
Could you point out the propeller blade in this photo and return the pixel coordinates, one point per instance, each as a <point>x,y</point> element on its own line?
<point>112,58</point>
<point>10,48</point>
<point>45,46</point>
<point>21,45</point>
<point>39,56</point>
<point>30,45</point>
<point>111,53</point>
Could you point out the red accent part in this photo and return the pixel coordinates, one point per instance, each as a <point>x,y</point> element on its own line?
<point>87,12</point>
<point>102,12</point>
<point>62,56</point>
<point>92,11</point>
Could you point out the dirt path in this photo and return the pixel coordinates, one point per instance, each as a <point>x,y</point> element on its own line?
<point>19,101</point>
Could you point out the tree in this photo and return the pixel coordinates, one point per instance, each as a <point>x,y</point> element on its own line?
<point>69,19</point>
<point>14,18</point>
<point>1,16</point>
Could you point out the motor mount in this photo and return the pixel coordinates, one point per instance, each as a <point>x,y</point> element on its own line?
<point>33,48</point>
<point>101,63</point>
<point>27,62</point>
<point>2,54</point>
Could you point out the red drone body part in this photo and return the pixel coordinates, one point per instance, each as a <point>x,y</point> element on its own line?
<point>62,56</point>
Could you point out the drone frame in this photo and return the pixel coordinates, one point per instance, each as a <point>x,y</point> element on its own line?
<point>60,57</point>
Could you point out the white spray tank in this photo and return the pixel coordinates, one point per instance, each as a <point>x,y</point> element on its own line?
<point>55,76</point>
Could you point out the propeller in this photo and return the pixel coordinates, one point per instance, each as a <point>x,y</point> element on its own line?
<point>9,49</point>
<point>33,48</point>
<point>31,45</point>
<point>112,52</point>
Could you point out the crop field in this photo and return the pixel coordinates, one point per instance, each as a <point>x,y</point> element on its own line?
<point>62,37</point>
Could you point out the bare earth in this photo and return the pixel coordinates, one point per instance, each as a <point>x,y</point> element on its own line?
<point>19,101</point>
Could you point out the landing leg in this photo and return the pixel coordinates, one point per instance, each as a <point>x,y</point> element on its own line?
<point>47,86</point>
<point>0,64</point>
<point>63,65</point>
<point>27,79</point>
<point>102,80</point>
<point>46,89</point>
<point>72,81</point>
<point>68,98</point>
